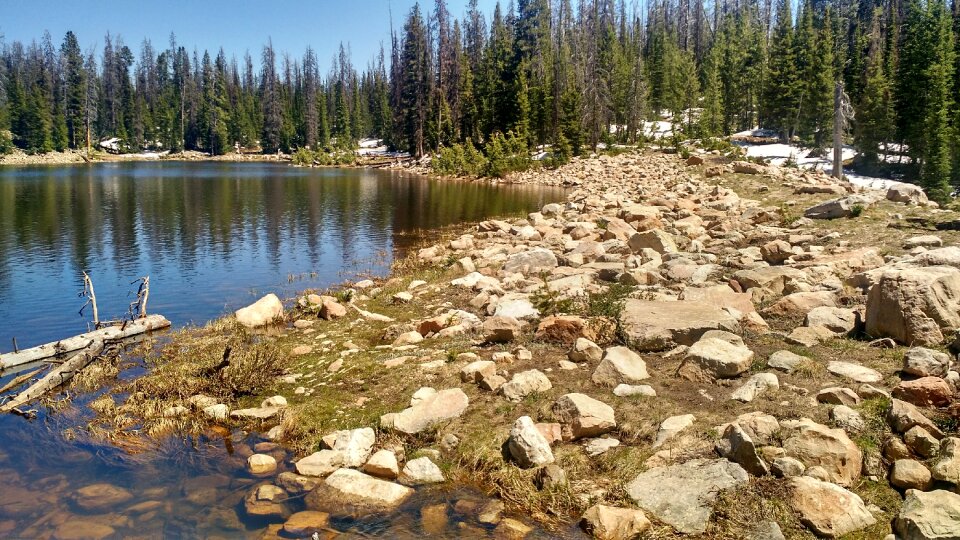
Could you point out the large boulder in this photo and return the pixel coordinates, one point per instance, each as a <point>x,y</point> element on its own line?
<point>816,445</point>
<point>651,325</point>
<point>582,416</point>
<point>682,496</point>
<point>262,312</point>
<point>431,411</point>
<point>828,509</point>
<point>620,365</point>
<point>914,306</point>
<point>907,194</point>
<point>527,445</point>
<point>531,262</point>
<point>721,296</point>
<point>838,208</point>
<point>946,468</point>
<point>934,515</point>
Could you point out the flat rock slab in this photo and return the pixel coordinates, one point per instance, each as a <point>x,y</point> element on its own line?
<point>828,509</point>
<point>354,486</point>
<point>854,372</point>
<point>435,409</point>
<point>692,489</point>
<point>653,325</point>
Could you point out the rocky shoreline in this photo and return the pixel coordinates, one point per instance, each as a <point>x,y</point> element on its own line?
<point>769,345</point>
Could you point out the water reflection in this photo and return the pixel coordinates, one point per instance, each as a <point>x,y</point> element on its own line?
<point>211,235</point>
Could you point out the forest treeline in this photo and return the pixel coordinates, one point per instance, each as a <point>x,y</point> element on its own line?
<point>538,72</point>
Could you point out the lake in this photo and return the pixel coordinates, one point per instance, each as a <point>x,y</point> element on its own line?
<point>212,236</point>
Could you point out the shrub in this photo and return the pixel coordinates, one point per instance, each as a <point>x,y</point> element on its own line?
<point>304,156</point>
<point>507,154</point>
<point>6,141</point>
<point>459,160</point>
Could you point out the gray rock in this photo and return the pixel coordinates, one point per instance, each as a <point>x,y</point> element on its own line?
<point>355,445</point>
<point>651,325</point>
<point>262,312</point>
<point>354,487</point>
<point>921,442</point>
<point>787,467</point>
<point>847,418</point>
<point>854,372</point>
<point>527,445</point>
<point>828,509</point>
<point>595,447</point>
<point>923,362</point>
<point>837,208</point>
<point>756,385</point>
<point>620,365</point>
<point>434,410</point>
<point>910,474</point>
<point>525,383</point>
<point>716,358</point>
<point>582,416</point>
<point>627,390</point>
<point>766,530</point>
<point>946,468</point>
<point>818,445</point>
<point>585,350</point>
<point>738,447</point>
<point>838,396</point>
<point>693,488</point>
<point>671,426</point>
<point>531,262</point>
<point>902,416</point>
<point>785,361</point>
<point>929,516</point>
<point>549,476</point>
<point>420,471</point>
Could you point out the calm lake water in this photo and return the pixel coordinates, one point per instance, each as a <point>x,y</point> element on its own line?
<point>212,237</point>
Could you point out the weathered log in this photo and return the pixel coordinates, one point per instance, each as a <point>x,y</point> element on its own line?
<point>58,376</point>
<point>62,347</point>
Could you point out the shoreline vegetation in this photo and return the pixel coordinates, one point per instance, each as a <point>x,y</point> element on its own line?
<point>676,321</point>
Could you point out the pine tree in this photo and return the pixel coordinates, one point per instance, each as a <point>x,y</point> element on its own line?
<point>415,85</point>
<point>935,170</point>
<point>782,92</point>
<point>711,117</point>
<point>874,111</point>
<point>271,102</point>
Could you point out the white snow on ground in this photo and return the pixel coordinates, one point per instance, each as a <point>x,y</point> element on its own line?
<point>779,153</point>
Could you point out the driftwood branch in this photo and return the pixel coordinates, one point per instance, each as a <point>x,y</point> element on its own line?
<point>17,381</point>
<point>110,333</point>
<point>91,299</point>
<point>143,294</point>
<point>58,376</point>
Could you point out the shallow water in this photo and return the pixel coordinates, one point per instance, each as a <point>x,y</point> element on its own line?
<point>212,237</point>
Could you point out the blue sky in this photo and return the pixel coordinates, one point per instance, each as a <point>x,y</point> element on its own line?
<point>236,25</point>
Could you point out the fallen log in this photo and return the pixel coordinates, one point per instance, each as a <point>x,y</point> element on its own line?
<point>64,346</point>
<point>58,376</point>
